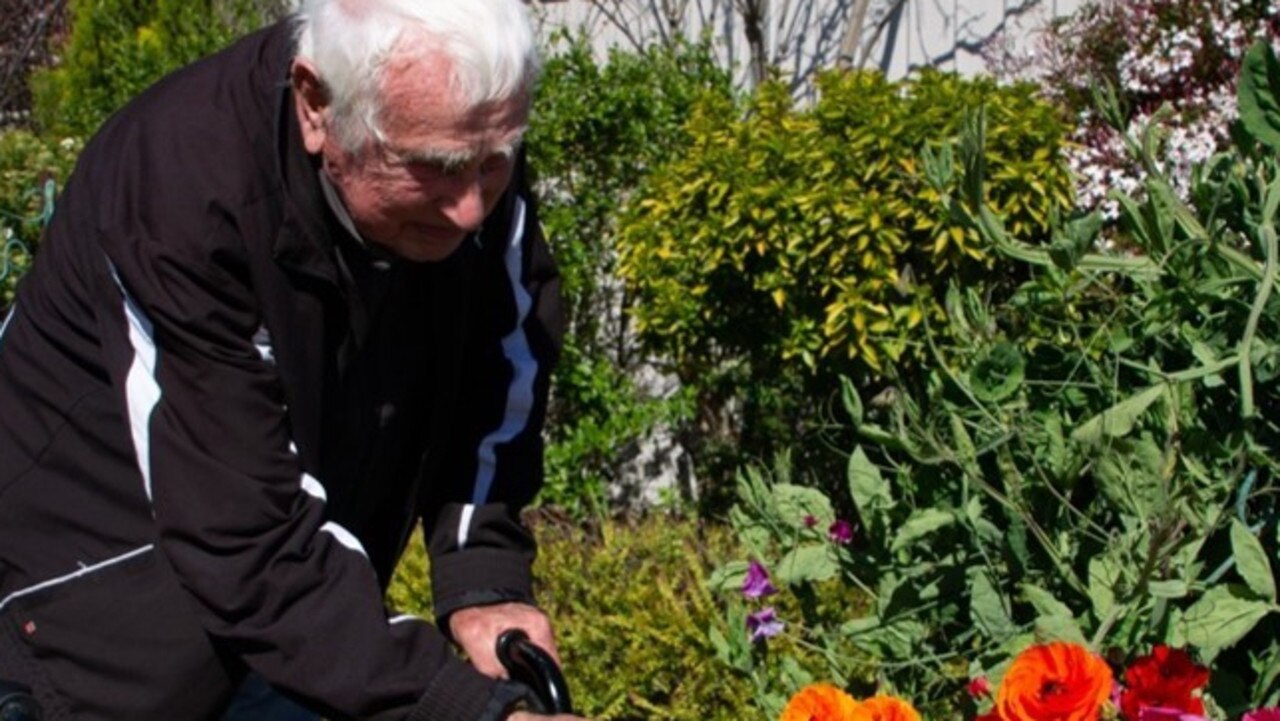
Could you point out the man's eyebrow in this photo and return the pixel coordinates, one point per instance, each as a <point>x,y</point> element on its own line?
<point>455,159</point>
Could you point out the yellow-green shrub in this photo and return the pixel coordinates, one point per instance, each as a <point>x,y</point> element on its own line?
<point>784,249</point>
<point>632,608</point>
<point>810,233</point>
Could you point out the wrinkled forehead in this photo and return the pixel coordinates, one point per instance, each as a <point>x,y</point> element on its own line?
<point>422,115</point>
<point>424,89</point>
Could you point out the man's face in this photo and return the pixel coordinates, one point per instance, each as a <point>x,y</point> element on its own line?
<point>438,170</point>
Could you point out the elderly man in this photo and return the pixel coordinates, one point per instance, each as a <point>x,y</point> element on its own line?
<point>293,301</point>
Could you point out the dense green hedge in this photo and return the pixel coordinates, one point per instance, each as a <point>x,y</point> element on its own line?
<point>117,48</point>
<point>798,243</point>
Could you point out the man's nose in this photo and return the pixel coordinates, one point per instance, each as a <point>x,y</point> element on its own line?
<point>463,204</point>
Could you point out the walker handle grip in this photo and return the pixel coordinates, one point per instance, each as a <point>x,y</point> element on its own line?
<point>530,665</point>
<point>17,703</point>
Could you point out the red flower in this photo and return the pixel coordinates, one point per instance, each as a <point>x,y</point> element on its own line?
<point>1167,678</point>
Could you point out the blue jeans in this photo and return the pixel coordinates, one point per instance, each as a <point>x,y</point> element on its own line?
<point>255,700</point>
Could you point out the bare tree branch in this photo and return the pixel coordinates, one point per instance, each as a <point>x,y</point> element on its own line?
<point>976,45</point>
<point>870,44</point>
<point>852,33</point>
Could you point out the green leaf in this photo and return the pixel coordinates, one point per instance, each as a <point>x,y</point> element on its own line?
<point>987,607</point>
<point>894,641</point>
<point>921,523</point>
<point>966,454</point>
<point>1259,94</point>
<point>870,491</point>
<point>1073,240</point>
<point>1104,576</point>
<point>1222,617</point>
<point>1059,628</point>
<point>813,563</point>
<point>1119,419</point>
<point>1044,602</point>
<point>753,534</point>
<point>960,325</point>
<point>728,577</point>
<point>1129,474</point>
<point>1171,588</point>
<point>1251,561</point>
<point>719,643</point>
<point>852,403</point>
<point>792,503</point>
<point>1054,620</point>
<point>998,373</point>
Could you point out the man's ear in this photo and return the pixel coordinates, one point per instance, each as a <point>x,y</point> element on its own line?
<point>311,100</point>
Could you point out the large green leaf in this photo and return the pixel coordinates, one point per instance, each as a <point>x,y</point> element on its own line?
<point>998,373</point>
<point>1221,617</point>
<point>792,503</point>
<point>728,577</point>
<point>1119,419</point>
<point>852,401</point>
<point>1259,94</point>
<point>1105,574</point>
<point>987,606</point>
<point>921,523</point>
<point>892,641</point>
<point>870,491</point>
<point>1044,602</point>
<point>813,563</point>
<point>1251,561</point>
<point>1054,620</point>
<point>1130,472</point>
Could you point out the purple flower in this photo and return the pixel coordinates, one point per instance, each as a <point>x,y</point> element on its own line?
<point>1263,714</point>
<point>756,584</point>
<point>841,532</point>
<point>810,520</point>
<point>1156,713</point>
<point>764,624</point>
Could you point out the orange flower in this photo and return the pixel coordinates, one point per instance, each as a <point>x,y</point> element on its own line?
<point>885,708</point>
<point>819,702</point>
<point>1054,682</point>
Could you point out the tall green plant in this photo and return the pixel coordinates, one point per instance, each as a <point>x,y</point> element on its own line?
<point>117,48</point>
<point>1093,456</point>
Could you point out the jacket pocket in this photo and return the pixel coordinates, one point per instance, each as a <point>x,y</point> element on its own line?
<point>117,642</point>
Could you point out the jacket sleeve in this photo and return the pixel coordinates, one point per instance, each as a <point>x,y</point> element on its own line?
<point>486,462</point>
<point>272,581</point>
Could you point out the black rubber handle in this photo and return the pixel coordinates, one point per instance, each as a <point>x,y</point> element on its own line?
<point>530,665</point>
<point>17,703</point>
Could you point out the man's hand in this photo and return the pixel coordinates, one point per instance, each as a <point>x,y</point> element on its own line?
<point>476,629</point>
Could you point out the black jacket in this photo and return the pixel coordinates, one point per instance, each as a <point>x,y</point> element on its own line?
<point>217,428</point>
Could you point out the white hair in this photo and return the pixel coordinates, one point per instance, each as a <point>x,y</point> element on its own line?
<point>489,45</point>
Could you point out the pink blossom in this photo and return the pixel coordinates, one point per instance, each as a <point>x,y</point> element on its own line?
<point>1153,713</point>
<point>841,532</point>
<point>764,624</point>
<point>979,687</point>
<point>757,583</point>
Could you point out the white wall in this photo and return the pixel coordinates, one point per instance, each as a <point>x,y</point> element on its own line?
<point>807,34</point>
